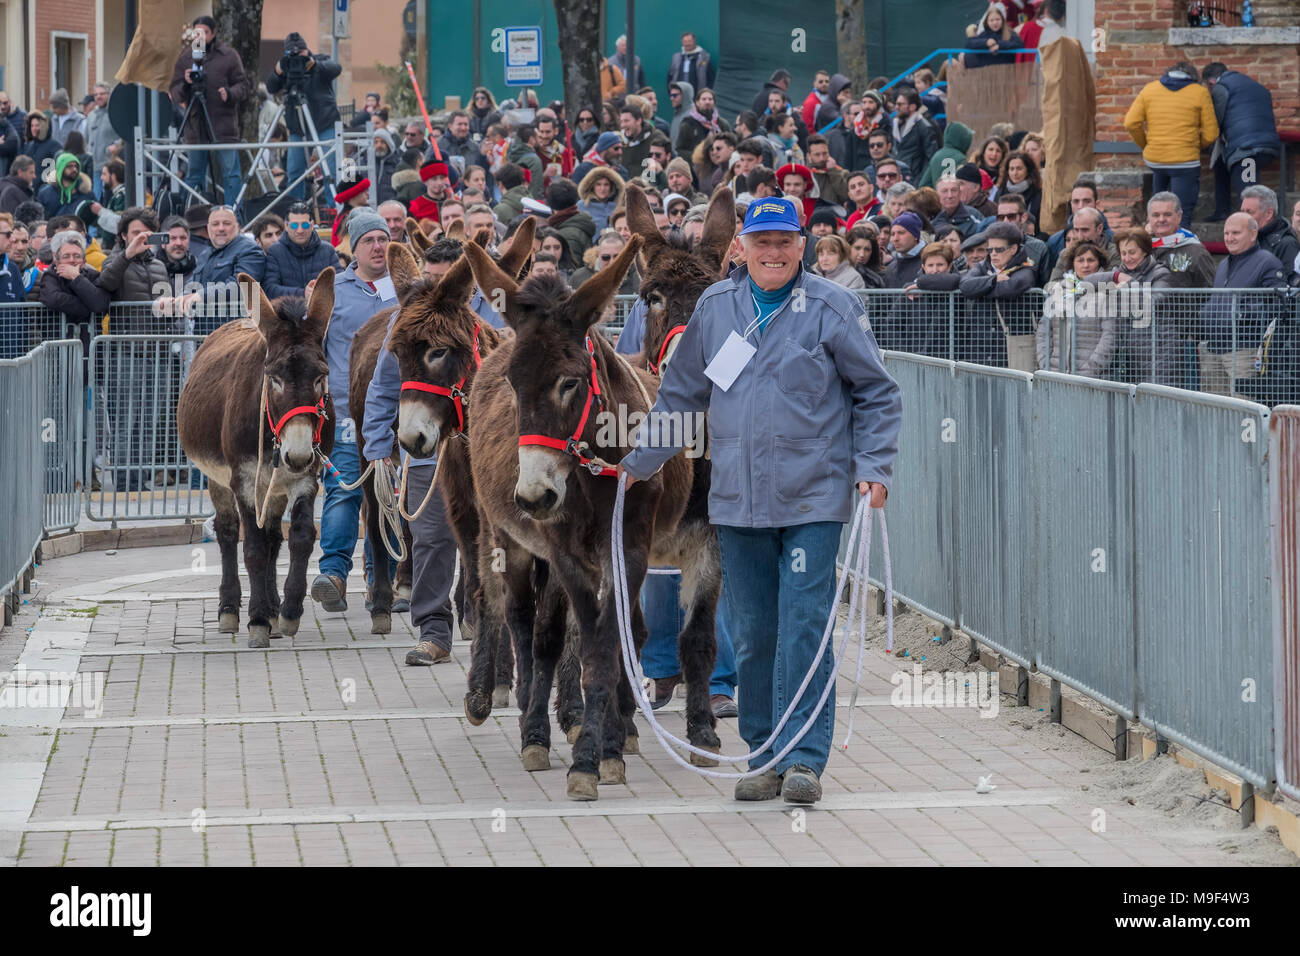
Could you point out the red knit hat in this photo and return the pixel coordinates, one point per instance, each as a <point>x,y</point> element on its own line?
<point>435,168</point>
<point>344,195</point>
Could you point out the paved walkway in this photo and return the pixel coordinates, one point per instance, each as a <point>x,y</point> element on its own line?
<point>329,750</point>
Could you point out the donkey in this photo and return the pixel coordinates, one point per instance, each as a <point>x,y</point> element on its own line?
<point>543,491</point>
<point>438,343</point>
<point>255,416</point>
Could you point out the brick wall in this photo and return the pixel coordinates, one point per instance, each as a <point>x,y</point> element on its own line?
<point>72,16</point>
<point>1136,51</point>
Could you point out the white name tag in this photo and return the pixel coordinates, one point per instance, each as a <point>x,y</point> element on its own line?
<point>385,288</point>
<point>730,361</point>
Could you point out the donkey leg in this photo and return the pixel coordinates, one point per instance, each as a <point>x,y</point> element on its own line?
<point>302,538</point>
<point>548,641</point>
<point>521,618</point>
<point>626,701</point>
<point>259,604</point>
<point>697,646</point>
<point>597,680</point>
<point>274,539</point>
<point>568,683</point>
<point>381,585</point>
<point>618,703</point>
<point>227,528</point>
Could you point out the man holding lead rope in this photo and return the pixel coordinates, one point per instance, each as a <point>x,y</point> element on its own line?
<point>800,409</point>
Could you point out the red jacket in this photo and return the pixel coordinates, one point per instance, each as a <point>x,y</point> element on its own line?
<point>809,110</point>
<point>422,207</point>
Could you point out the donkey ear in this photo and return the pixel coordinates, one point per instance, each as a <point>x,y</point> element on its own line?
<point>416,237</point>
<point>321,304</point>
<point>593,295</point>
<point>402,267</point>
<point>458,282</point>
<point>490,277</point>
<point>521,248</point>
<point>260,309</point>
<point>719,229</point>
<point>641,220</point>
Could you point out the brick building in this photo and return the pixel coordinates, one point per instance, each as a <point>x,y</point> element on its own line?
<point>1137,40</point>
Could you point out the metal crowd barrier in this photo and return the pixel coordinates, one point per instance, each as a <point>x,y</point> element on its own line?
<point>1284,505</point>
<point>62,431</point>
<point>1113,537</point>
<point>22,463</point>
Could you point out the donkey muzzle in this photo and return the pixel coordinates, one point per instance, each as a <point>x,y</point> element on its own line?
<point>417,430</point>
<point>539,492</point>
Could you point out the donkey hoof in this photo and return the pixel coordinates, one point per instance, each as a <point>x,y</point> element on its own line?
<point>631,744</point>
<point>582,786</point>
<point>501,695</point>
<point>381,622</point>
<point>289,627</point>
<point>228,622</point>
<point>613,770</point>
<point>477,708</point>
<point>535,757</point>
<point>259,635</point>
<point>571,735</point>
<point>698,761</point>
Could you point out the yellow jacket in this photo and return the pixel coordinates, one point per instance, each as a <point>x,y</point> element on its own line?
<point>95,255</point>
<point>1172,126</point>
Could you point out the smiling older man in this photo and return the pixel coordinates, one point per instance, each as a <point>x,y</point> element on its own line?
<point>801,410</point>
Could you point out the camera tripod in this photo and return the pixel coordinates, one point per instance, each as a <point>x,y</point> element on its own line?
<point>292,100</point>
<point>198,98</point>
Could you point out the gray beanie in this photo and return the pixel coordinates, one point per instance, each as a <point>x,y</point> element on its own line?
<point>362,220</point>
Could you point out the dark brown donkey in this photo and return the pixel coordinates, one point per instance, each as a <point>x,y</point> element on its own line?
<point>557,380</point>
<point>255,416</point>
<point>438,343</point>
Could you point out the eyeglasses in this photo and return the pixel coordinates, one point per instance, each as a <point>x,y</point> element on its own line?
<point>1008,216</point>
<point>299,225</point>
<point>586,119</point>
<point>997,250</point>
<point>676,213</point>
<point>884,176</point>
<point>606,258</point>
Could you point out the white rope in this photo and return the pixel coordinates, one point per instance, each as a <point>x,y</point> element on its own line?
<point>855,568</point>
<point>428,495</point>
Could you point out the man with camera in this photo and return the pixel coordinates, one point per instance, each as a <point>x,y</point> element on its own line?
<point>307,80</point>
<point>209,80</point>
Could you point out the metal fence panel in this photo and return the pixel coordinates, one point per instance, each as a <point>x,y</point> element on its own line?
<point>1284,494</point>
<point>1203,576</point>
<point>995,510</point>
<point>1083,574</point>
<point>21,465</point>
<point>62,415</point>
<point>922,497</point>
<point>133,445</point>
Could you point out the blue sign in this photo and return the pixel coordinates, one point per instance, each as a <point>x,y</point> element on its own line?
<point>523,56</point>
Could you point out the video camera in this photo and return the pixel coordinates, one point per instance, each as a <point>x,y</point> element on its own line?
<point>198,53</point>
<point>295,62</point>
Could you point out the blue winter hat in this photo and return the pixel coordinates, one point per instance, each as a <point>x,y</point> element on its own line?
<point>606,140</point>
<point>770,215</point>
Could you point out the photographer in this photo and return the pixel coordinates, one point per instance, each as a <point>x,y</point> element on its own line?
<point>212,75</point>
<point>307,80</point>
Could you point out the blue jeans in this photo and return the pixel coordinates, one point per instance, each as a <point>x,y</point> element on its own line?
<point>1183,183</point>
<point>231,179</point>
<point>780,584</point>
<point>342,509</point>
<point>665,619</point>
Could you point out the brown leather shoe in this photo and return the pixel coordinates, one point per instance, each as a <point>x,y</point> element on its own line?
<point>663,690</point>
<point>426,653</point>
<point>766,786</point>
<point>329,592</point>
<point>723,706</point>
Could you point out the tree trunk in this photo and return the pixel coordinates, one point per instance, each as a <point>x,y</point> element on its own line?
<point>579,23</point>
<point>851,42</point>
<point>239,25</point>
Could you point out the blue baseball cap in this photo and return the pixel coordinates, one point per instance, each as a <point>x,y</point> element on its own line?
<point>770,215</point>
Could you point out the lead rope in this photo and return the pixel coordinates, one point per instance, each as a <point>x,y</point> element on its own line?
<point>428,495</point>
<point>260,513</point>
<point>856,568</point>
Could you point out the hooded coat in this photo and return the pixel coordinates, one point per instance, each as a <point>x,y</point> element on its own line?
<point>385,167</point>
<point>61,200</point>
<point>14,191</point>
<point>957,138</point>
<point>521,154</point>
<point>688,100</point>
<point>587,202</point>
<point>829,111</point>
<point>1172,119</point>
<point>577,229</point>
<point>44,148</point>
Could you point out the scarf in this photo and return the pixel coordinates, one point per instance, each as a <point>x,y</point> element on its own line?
<point>861,128</point>
<point>767,304</point>
<point>900,133</point>
<point>710,123</point>
<point>1015,188</point>
<point>1178,238</point>
<point>558,218</point>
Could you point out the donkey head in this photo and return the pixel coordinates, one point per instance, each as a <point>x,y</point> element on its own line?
<point>438,341</point>
<point>550,368</point>
<point>673,271</point>
<point>295,370</point>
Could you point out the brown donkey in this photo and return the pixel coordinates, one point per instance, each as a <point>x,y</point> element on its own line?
<point>537,456</point>
<point>255,416</point>
<point>438,343</point>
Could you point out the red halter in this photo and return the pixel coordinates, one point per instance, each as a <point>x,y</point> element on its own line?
<point>318,410</point>
<point>572,444</point>
<point>675,331</point>
<point>456,393</point>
